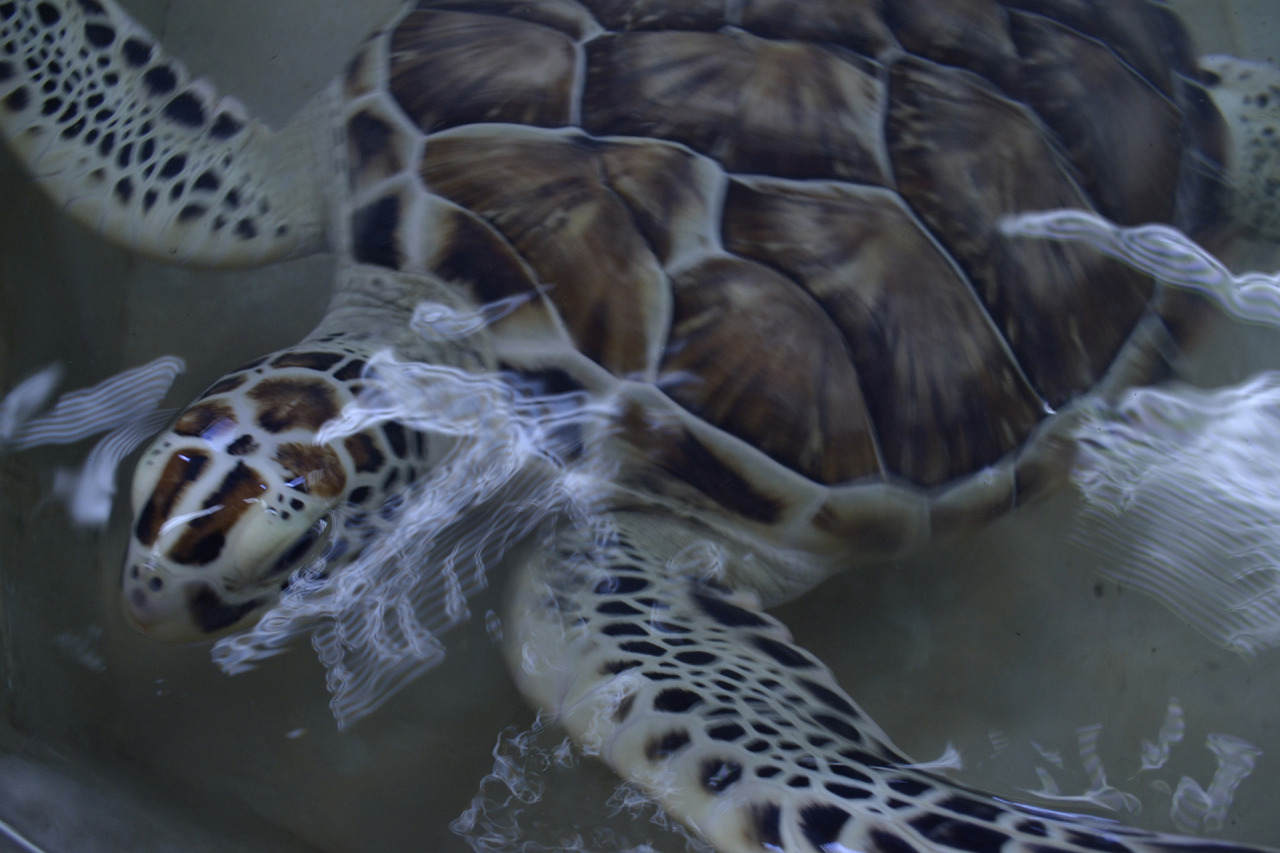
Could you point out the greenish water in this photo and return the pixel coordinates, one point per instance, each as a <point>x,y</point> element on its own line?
<point>113,742</point>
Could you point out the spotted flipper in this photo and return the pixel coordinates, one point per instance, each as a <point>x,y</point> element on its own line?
<point>695,693</point>
<point>1248,96</point>
<point>122,137</point>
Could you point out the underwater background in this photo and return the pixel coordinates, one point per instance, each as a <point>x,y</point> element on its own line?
<point>1008,645</point>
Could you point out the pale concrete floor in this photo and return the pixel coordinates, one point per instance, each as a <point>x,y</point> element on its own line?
<point>1005,632</point>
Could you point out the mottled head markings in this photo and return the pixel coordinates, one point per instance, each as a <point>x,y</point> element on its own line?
<point>364,452</point>
<point>288,403</point>
<point>211,613</point>
<point>316,469</point>
<point>202,541</point>
<point>245,445</point>
<point>182,469</point>
<point>198,420</point>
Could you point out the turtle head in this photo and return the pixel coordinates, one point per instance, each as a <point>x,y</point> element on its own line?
<point>238,493</point>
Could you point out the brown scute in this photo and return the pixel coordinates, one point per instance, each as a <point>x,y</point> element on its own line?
<point>668,193</point>
<point>674,449</point>
<point>183,468</point>
<point>547,198</point>
<point>965,158</point>
<point>754,355</point>
<point>375,233</point>
<point>203,538</point>
<point>364,452</point>
<point>225,385</point>
<point>318,466</point>
<point>943,392</point>
<point>371,140</point>
<point>1146,35</point>
<point>1123,136</point>
<point>764,107</point>
<point>658,14</point>
<point>455,68</point>
<point>197,420</point>
<point>854,24</point>
<point>287,403</point>
<point>474,254</point>
<point>970,34</point>
<point>567,16</point>
<point>321,361</point>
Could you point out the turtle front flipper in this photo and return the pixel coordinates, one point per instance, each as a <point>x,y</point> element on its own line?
<point>132,147</point>
<point>689,689</point>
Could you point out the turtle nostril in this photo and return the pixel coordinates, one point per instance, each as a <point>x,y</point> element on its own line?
<point>155,584</point>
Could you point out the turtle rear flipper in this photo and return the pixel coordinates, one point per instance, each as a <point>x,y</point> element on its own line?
<point>695,693</point>
<point>122,137</point>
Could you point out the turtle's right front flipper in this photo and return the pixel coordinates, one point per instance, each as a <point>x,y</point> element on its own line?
<point>122,137</point>
<point>624,635</point>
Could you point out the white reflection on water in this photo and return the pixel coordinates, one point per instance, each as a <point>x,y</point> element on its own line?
<point>1163,252</point>
<point>1183,485</point>
<point>123,405</point>
<point>376,624</point>
<point>535,773</point>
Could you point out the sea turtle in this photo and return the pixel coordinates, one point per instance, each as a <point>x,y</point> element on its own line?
<point>722,218</point>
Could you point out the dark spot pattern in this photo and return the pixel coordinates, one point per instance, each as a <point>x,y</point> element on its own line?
<point>364,453</point>
<point>202,417</point>
<point>160,80</point>
<point>766,825</point>
<point>349,371</point>
<point>719,774</point>
<point>676,700</point>
<point>225,126</point>
<point>204,537</point>
<point>288,403</point>
<point>137,53</point>
<point>667,745</point>
<point>821,824</point>
<point>313,469</point>
<point>183,468</point>
<point>212,614</point>
<point>394,433</point>
<point>374,232</point>
<point>960,834</point>
<point>49,14</point>
<point>98,35</point>
<point>788,656</point>
<point>970,807</point>
<point>243,446</point>
<point>729,615</point>
<point>886,842</point>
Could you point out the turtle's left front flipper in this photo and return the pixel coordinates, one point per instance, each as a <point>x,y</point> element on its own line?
<point>696,694</point>
<point>122,137</point>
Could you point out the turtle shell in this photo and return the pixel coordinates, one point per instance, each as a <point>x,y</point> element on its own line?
<point>772,226</point>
